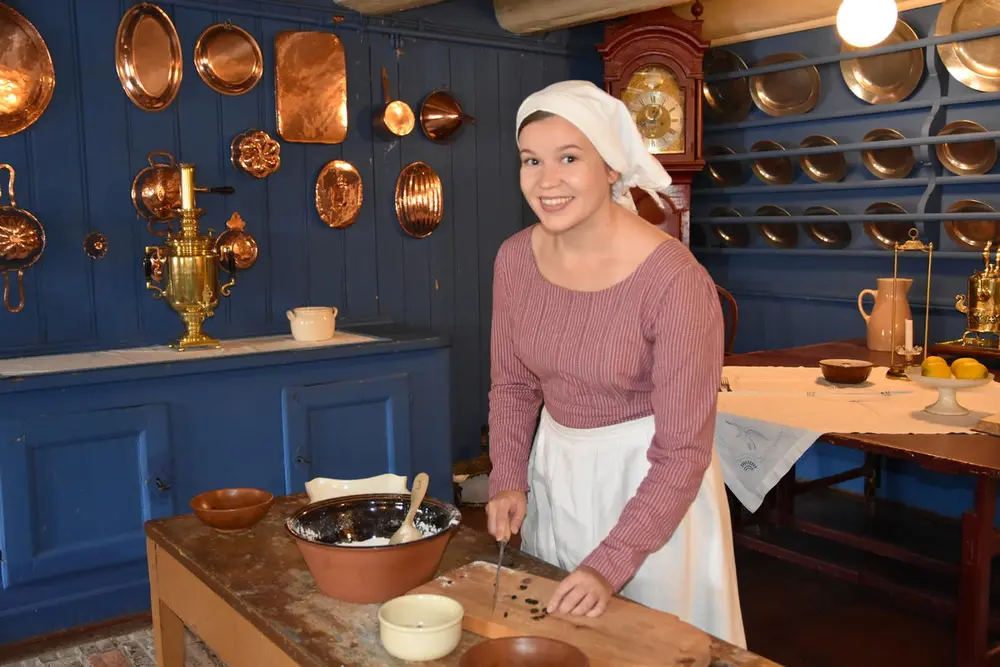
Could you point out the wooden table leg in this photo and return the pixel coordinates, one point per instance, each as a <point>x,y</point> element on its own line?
<point>168,629</point>
<point>978,547</point>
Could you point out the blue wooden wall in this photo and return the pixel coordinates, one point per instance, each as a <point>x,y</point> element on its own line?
<point>75,167</point>
<point>808,294</point>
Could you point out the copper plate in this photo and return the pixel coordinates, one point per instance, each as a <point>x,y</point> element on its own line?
<point>972,233</point>
<point>255,153</point>
<point>828,234</point>
<point>148,57</point>
<point>885,234</point>
<point>887,162</point>
<point>889,78</point>
<point>726,101</point>
<point>773,170</point>
<point>976,63</point>
<point>419,201</point>
<point>726,174</point>
<point>310,87</point>
<point>779,234</point>
<point>734,235</point>
<point>339,194</point>
<point>967,158</point>
<point>228,59</point>
<point>825,168</point>
<point>236,245</point>
<point>788,93</point>
<point>26,72</point>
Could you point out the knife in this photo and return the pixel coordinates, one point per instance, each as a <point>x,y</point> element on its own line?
<point>496,582</point>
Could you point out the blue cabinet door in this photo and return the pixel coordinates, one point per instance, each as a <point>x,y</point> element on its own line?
<point>346,430</point>
<point>76,489</point>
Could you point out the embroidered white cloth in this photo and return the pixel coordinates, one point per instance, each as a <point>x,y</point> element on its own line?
<point>606,121</point>
<point>772,415</point>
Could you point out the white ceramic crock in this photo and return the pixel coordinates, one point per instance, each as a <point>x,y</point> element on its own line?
<point>313,323</point>
<point>323,488</point>
<point>420,627</point>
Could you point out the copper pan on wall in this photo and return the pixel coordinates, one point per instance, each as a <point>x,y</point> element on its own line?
<point>27,72</point>
<point>228,59</point>
<point>148,57</point>
<point>441,115</point>
<point>419,201</point>
<point>395,118</point>
<point>339,194</point>
<point>22,242</point>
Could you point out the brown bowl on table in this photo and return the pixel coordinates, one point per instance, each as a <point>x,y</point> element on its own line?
<point>524,652</point>
<point>846,371</point>
<point>232,510</point>
<point>344,542</point>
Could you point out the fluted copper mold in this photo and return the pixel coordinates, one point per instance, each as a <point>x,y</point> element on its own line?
<point>419,201</point>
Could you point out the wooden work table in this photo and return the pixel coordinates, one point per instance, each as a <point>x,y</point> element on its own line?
<point>251,599</point>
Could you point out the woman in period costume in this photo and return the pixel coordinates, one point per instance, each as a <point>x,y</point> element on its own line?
<point>616,328</point>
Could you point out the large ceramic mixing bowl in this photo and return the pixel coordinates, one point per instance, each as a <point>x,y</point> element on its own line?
<point>344,542</point>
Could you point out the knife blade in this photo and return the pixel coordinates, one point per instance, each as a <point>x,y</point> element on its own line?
<point>496,582</point>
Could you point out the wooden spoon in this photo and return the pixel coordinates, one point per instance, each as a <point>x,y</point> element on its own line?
<point>408,532</point>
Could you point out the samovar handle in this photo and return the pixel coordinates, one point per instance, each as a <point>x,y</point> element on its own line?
<point>227,289</point>
<point>150,270</point>
<point>960,304</point>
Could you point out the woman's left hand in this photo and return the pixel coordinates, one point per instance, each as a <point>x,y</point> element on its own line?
<point>584,591</point>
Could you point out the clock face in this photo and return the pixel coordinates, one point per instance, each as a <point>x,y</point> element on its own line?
<point>656,103</point>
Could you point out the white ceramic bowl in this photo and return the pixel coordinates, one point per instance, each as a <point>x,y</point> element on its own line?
<point>420,627</point>
<point>947,403</point>
<point>324,488</point>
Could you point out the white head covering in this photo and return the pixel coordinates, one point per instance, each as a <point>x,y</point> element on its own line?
<point>605,120</point>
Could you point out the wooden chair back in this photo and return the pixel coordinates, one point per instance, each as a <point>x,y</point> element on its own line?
<point>731,314</point>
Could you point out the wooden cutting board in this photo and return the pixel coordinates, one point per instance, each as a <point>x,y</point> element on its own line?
<point>626,635</point>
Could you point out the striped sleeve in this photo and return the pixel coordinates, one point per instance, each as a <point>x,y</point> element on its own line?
<point>687,335</point>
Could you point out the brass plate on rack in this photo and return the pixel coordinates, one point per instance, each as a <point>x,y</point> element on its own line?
<point>976,63</point>
<point>788,93</point>
<point>310,87</point>
<point>778,234</point>
<point>885,234</point>
<point>825,168</point>
<point>773,170</point>
<point>885,79</point>
<point>419,204</point>
<point>148,57</point>
<point>972,233</point>
<point>967,158</point>
<point>887,162</point>
<point>339,194</point>
<point>726,174</point>
<point>734,235</point>
<point>726,101</point>
<point>26,71</point>
<point>228,59</point>
<point>828,234</point>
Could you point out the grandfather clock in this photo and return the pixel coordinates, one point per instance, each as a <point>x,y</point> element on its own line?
<point>653,63</point>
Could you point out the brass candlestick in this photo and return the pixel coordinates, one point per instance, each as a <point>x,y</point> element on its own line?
<point>897,371</point>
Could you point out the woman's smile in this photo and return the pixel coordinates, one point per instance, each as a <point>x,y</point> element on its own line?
<point>554,204</point>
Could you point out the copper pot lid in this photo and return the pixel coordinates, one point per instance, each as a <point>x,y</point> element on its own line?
<point>779,234</point>
<point>26,71</point>
<point>966,158</point>
<point>236,245</point>
<point>828,234</point>
<point>824,168</point>
<point>733,235</point>
<point>22,242</point>
<point>726,101</point>
<point>419,201</point>
<point>972,233</point>
<point>255,153</point>
<point>787,93</point>
<point>887,162</point>
<point>441,115</point>
<point>886,234</point>
<point>888,78</point>
<point>776,170</point>
<point>339,194</point>
<point>976,63</point>
<point>726,174</point>
<point>228,59</point>
<point>148,57</point>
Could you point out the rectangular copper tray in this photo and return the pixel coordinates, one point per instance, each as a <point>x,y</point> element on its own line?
<point>310,87</point>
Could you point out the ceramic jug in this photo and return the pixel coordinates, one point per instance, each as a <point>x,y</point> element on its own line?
<point>879,320</point>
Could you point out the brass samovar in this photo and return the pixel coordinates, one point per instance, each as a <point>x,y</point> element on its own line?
<point>981,305</point>
<point>188,264</point>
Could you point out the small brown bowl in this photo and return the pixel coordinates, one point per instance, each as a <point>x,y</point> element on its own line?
<point>232,510</point>
<point>846,371</point>
<point>524,652</point>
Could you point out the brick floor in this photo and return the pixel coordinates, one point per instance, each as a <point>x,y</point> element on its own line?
<point>132,650</point>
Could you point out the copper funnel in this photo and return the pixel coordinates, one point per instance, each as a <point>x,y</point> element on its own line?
<point>441,115</point>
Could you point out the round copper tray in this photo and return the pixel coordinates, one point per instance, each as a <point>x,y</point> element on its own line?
<point>26,71</point>
<point>889,78</point>
<point>887,162</point>
<point>726,101</point>
<point>824,168</point>
<point>966,158</point>
<point>773,170</point>
<point>972,233</point>
<point>976,63</point>
<point>828,234</point>
<point>787,93</point>
<point>778,234</point>
<point>733,235</point>
<point>228,59</point>
<point>726,174</point>
<point>419,203</point>
<point>148,57</point>
<point>339,194</point>
<point>885,234</point>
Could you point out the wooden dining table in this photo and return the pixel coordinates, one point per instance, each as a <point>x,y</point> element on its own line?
<point>967,454</point>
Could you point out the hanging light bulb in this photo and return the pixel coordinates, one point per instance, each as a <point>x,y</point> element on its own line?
<point>864,23</point>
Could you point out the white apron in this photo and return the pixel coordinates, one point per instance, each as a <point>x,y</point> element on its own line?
<point>580,481</point>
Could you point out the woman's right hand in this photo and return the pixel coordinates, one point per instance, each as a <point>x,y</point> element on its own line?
<point>505,513</point>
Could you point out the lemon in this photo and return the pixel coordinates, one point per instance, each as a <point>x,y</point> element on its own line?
<point>970,371</point>
<point>931,362</point>
<point>936,371</point>
<point>964,361</point>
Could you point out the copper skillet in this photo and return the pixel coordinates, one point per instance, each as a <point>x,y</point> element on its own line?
<point>396,118</point>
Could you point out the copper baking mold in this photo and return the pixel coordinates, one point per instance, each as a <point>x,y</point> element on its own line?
<point>22,242</point>
<point>228,59</point>
<point>975,63</point>
<point>828,234</point>
<point>148,57</point>
<point>726,101</point>
<point>886,234</point>
<point>966,158</point>
<point>778,234</point>
<point>726,174</point>
<point>887,163</point>
<point>95,245</point>
<point>339,194</point>
<point>310,87</point>
<point>786,93</point>
<point>733,234</point>
<point>888,78</point>
<point>419,200</point>
<point>255,153</point>
<point>972,233</point>
<point>776,170</point>
<point>235,246</point>
<point>825,167</point>
<point>28,75</point>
